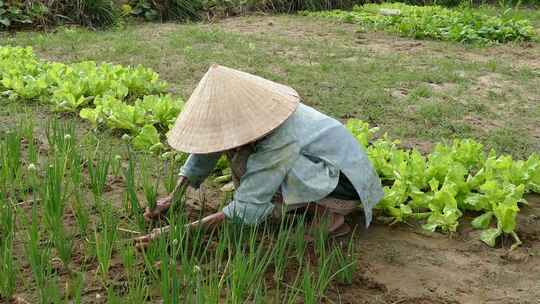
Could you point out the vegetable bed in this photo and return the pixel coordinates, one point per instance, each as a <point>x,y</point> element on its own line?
<point>132,100</point>
<point>435,22</point>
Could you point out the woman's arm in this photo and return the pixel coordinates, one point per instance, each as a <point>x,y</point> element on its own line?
<point>208,222</point>
<point>198,167</point>
<point>265,171</point>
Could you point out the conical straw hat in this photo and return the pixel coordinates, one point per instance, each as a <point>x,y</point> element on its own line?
<point>230,108</point>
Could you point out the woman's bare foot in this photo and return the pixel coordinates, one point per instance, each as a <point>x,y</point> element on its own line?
<point>333,223</point>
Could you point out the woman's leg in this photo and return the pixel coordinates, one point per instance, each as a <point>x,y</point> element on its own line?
<point>331,211</point>
<point>328,218</point>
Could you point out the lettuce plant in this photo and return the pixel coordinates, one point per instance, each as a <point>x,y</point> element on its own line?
<point>453,179</point>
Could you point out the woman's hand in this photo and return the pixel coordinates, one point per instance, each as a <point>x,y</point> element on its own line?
<point>208,222</point>
<point>164,203</point>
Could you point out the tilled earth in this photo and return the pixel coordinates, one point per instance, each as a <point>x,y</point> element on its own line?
<point>404,264</point>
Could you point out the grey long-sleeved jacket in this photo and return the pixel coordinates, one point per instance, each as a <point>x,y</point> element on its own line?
<point>303,157</point>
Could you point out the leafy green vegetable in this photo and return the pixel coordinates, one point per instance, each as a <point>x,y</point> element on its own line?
<point>489,236</point>
<point>361,131</point>
<point>119,115</point>
<point>123,98</point>
<point>148,139</point>
<point>482,221</point>
<point>161,109</point>
<point>461,24</point>
<point>92,115</point>
<point>451,180</point>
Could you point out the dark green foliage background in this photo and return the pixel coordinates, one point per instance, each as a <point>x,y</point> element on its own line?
<point>35,14</point>
<point>15,14</point>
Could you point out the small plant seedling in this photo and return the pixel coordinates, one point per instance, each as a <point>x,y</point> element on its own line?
<point>38,258</point>
<point>309,287</point>
<point>77,206</point>
<point>281,249</point>
<point>98,171</point>
<point>345,263</point>
<point>10,162</point>
<point>53,196</point>
<point>135,210</point>
<point>8,267</point>
<point>150,187</point>
<point>105,238</point>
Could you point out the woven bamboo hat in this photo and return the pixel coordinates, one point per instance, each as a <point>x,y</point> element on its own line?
<point>230,108</point>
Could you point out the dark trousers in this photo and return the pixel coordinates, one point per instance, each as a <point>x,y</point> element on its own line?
<point>344,189</point>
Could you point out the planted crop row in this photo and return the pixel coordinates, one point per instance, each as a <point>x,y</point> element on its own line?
<point>435,22</point>
<point>64,229</point>
<point>453,179</point>
<point>129,99</point>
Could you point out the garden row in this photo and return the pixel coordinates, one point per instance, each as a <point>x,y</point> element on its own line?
<point>64,234</point>
<point>461,24</point>
<point>129,99</point>
<point>453,179</point>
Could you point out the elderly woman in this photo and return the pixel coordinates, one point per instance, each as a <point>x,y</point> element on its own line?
<point>283,154</point>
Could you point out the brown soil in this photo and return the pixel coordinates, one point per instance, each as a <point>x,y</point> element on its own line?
<point>406,265</point>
